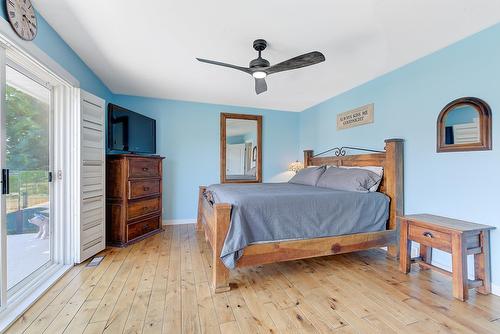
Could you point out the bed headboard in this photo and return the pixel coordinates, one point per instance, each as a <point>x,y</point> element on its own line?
<point>392,161</point>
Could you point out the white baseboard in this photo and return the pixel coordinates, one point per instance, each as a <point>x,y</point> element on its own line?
<point>495,289</point>
<point>178,221</point>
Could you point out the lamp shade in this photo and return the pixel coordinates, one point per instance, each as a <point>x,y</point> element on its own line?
<point>295,166</point>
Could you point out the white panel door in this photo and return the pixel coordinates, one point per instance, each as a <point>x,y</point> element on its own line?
<point>92,237</point>
<point>235,159</point>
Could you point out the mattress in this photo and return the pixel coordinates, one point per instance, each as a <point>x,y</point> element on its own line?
<point>268,212</point>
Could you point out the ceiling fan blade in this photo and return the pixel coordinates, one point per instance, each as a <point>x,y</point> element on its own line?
<point>304,60</point>
<point>260,86</point>
<point>213,62</point>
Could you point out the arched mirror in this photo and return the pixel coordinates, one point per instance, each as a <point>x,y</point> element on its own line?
<point>464,125</point>
<point>240,148</point>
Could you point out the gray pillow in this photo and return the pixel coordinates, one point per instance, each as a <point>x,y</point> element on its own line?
<point>352,179</point>
<point>308,176</point>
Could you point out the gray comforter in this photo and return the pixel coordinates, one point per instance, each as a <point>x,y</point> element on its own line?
<point>279,211</point>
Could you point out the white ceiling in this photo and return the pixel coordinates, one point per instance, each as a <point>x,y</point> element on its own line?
<point>148,47</point>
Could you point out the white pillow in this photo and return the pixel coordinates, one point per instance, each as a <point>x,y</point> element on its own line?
<point>376,169</point>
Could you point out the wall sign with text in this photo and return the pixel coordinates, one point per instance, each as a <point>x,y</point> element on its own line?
<point>359,116</point>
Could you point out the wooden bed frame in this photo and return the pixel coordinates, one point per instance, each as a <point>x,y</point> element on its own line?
<point>215,219</point>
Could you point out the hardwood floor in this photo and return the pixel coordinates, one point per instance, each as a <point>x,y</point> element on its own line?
<point>160,286</point>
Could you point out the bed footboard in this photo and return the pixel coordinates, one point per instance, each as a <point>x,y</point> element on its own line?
<point>214,219</point>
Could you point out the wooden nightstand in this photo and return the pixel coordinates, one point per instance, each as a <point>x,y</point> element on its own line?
<point>460,238</point>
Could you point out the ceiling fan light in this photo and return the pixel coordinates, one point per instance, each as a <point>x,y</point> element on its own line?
<point>259,74</point>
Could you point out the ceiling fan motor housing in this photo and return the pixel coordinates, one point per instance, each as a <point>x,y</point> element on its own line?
<point>259,45</point>
<point>259,62</point>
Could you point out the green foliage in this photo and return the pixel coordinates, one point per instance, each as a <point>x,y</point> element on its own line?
<point>30,181</point>
<point>27,125</point>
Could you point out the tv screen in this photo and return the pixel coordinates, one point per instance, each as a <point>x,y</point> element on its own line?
<point>130,132</point>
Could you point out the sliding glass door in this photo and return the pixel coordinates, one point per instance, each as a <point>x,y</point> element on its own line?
<point>40,181</point>
<point>26,175</point>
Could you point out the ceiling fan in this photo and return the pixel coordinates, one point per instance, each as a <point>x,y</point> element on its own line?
<point>260,68</point>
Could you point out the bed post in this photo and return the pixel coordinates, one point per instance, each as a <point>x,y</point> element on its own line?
<point>308,154</point>
<point>199,223</point>
<point>220,274</point>
<point>393,172</point>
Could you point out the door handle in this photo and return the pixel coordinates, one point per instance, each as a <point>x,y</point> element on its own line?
<point>5,182</point>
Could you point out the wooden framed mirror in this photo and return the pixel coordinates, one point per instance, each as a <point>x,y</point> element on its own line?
<point>464,125</point>
<point>240,148</point>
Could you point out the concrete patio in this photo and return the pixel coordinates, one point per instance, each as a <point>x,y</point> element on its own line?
<point>25,254</point>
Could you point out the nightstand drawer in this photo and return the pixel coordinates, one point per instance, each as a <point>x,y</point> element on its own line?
<point>430,237</point>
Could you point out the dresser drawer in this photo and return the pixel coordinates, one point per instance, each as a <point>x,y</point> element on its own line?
<point>430,237</point>
<point>142,188</point>
<point>144,167</point>
<point>140,208</point>
<point>142,227</point>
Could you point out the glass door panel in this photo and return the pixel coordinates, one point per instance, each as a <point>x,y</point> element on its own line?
<point>27,159</point>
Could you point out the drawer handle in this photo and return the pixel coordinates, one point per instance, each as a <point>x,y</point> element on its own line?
<point>145,168</point>
<point>428,235</point>
<point>146,188</point>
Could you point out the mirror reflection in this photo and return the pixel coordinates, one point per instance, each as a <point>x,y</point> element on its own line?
<point>462,125</point>
<point>241,149</point>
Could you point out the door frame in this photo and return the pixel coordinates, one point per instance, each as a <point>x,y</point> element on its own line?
<point>3,210</point>
<point>66,166</point>
<point>64,100</point>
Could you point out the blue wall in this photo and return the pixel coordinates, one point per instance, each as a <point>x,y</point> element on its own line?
<point>407,101</point>
<point>235,139</point>
<point>188,135</point>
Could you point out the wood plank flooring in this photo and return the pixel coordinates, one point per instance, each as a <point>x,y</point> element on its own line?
<point>160,285</point>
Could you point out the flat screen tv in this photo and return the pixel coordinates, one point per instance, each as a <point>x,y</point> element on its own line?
<point>130,132</point>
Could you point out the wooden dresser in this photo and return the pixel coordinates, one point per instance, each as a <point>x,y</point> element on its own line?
<point>133,198</point>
